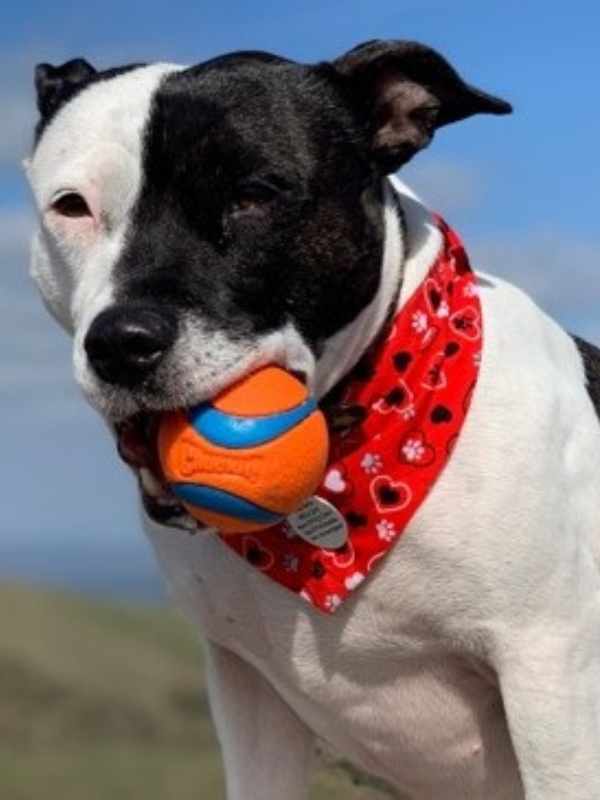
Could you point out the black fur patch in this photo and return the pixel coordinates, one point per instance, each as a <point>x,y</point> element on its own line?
<point>590,355</point>
<point>259,204</point>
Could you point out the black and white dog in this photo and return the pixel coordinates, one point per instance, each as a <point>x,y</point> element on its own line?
<point>198,223</point>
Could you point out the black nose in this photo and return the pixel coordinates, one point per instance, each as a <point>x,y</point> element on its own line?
<point>124,343</point>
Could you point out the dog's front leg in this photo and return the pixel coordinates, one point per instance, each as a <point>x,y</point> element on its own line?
<point>266,749</point>
<point>551,690</point>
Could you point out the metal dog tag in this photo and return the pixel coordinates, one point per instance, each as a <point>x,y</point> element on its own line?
<point>320,523</point>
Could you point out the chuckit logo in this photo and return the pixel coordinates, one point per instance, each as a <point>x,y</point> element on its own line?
<point>196,460</point>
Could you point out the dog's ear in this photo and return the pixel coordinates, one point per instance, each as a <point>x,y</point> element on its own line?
<point>407,91</point>
<point>53,85</point>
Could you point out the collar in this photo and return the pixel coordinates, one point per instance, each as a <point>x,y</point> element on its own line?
<point>393,431</point>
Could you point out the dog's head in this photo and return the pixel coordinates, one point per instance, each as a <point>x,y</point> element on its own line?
<point>198,223</point>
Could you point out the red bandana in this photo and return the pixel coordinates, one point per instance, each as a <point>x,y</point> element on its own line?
<point>410,396</point>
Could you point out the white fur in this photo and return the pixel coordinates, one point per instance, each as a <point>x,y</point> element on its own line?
<point>467,665</point>
<point>490,597</point>
<point>93,147</point>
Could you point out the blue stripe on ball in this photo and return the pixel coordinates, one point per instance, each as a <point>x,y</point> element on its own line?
<point>222,502</point>
<point>228,430</point>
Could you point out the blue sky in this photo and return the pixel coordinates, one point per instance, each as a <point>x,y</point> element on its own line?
<point>524,192</point>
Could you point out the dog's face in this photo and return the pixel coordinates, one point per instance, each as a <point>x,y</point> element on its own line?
<point>198,223</point>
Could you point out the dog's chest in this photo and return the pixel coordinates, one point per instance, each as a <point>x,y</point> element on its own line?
<point>387,697</point>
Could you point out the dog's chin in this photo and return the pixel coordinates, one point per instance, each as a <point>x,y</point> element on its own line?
<point>137,446</point>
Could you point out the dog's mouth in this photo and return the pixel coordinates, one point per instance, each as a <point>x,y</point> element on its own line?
<point>137,446</point>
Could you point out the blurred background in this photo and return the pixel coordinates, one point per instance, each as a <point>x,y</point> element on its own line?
<point>100,684</point>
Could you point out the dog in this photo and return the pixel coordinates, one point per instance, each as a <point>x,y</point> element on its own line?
<point>199,223</point>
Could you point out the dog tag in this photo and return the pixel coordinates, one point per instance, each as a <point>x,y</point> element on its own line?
<point>320,523</point>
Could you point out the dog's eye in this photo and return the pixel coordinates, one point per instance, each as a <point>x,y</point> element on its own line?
<point>252,198</point>
<point>72,205</point>
<point>244,204</point>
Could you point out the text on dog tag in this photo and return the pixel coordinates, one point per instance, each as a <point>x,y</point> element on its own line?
<point>319,522</point>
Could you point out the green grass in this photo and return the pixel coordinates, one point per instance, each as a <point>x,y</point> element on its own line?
<point>107,701</point>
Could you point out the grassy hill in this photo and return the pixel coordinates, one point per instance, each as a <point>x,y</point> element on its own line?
<point>105,701</point>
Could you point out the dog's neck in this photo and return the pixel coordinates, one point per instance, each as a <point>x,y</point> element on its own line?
<point>412,241</point>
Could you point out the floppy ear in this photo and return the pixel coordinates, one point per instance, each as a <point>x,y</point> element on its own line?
<point>407,91</point>
<point>53,85</point>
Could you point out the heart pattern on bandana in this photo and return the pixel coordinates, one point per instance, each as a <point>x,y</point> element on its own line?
<point>398,419</point>
<point>435,377</point>
<point>398,399</point>
<point>256,554</point>
<point>342,557</point>
<point>336,482</point>
<point>434,297</point>
<point>465,323</point>
<point>389,495</point>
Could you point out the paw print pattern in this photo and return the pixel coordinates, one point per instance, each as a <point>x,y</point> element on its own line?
<point>420,322</point>
<point>371,463</point>
<point>386,530</point>
<point>415,450</point>
<point>332,602</point>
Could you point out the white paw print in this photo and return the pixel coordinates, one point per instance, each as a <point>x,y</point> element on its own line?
<point>354,580</point>
<point>371,463</point>
<point>419,322</point>
<point>332,601</point>
<point>413,450</point>
<point>471,290</point>
<point>386,530</point>
<point>443,310</point>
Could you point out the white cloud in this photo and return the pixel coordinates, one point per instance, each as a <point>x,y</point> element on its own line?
<point>561,273</point>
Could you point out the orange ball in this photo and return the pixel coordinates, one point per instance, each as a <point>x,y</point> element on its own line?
<point>250,457</point>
